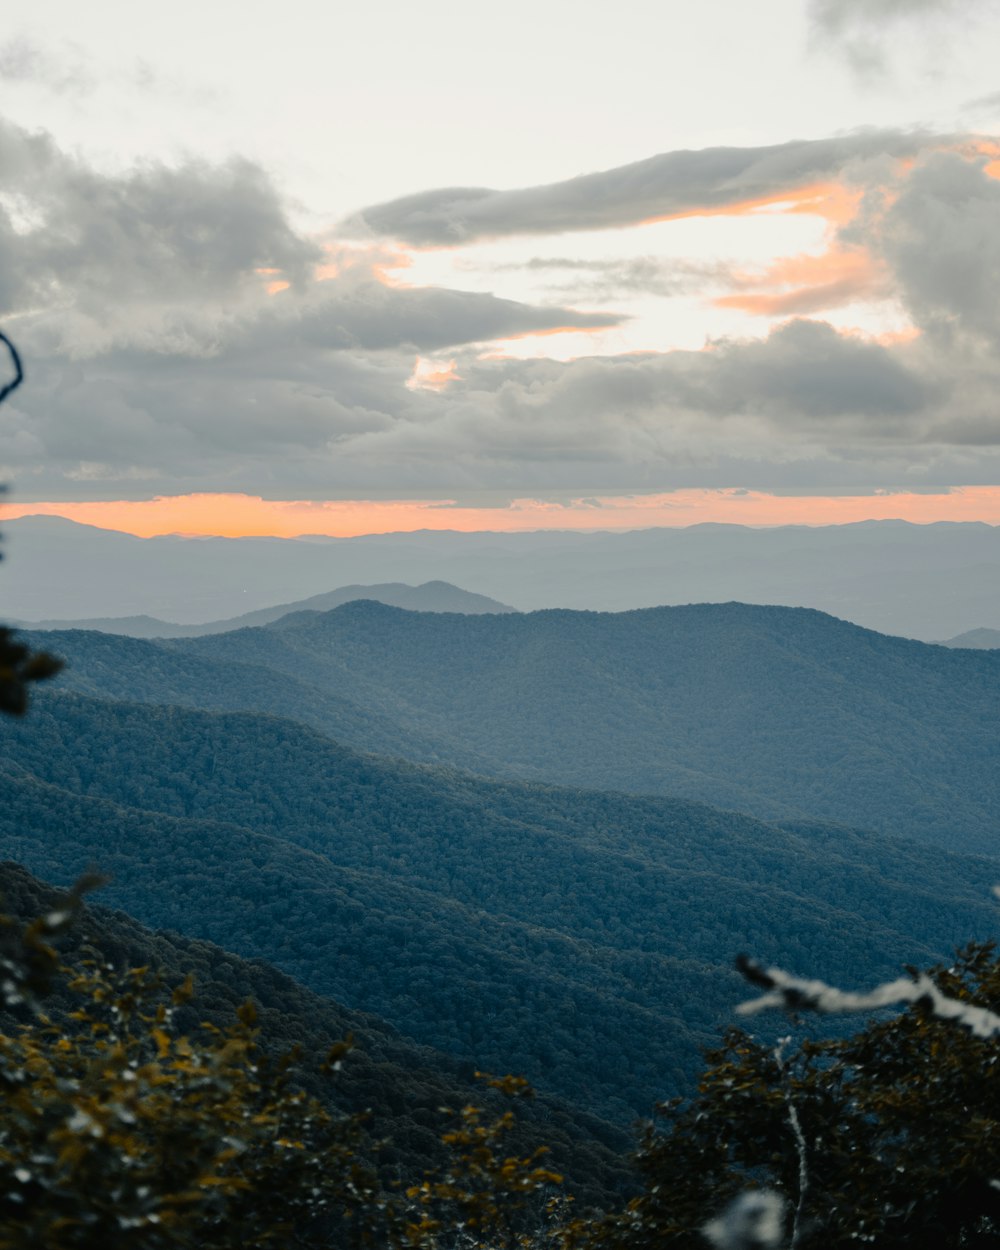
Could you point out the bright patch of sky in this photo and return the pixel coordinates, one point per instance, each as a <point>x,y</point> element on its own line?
<point>353,104</point>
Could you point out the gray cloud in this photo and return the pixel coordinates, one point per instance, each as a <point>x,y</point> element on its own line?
<point>22,60</point>
<point>153,235</point>
<point>623,277</point>
<point>806,408</point>
<point>806,372</point>
<point>64,69</point>
<point>156,364</point>
<point>984,105</point>
<point>370,315</point>
<point>673,182</point>
<point>171,258</point>
<point>861,30</point>
<point>835,17</point>
<point>940,237</point>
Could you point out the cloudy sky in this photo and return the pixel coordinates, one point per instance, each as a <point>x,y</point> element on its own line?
<point>298,268</point>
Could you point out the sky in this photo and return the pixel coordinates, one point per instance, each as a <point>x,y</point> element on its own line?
<point>299,269</point>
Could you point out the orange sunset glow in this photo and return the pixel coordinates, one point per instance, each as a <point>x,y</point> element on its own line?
<point>807,284</point>
<point>833,201</point>
<point>242,516</point>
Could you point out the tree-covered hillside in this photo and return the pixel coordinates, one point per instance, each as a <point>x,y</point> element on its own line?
<point>141,670</point>
<point>401,1086</point>
<point>582,938</point>
<point>775,711</point>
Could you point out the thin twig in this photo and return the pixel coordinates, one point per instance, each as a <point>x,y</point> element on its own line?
<point>18,377</point>
<point>800,1143</point>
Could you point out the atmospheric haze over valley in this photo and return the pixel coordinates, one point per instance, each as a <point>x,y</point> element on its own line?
<point>931,582</point>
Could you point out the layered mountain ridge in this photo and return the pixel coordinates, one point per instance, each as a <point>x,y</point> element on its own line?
<point>582,938</point>
<point>923,581</point>
<point>778,712</point>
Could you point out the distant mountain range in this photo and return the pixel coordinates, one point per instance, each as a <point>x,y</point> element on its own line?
<point>430,597</point>
<point>778,712</point>
<point>977,639</point>
<point>582,938</point>
<point>923,581</point>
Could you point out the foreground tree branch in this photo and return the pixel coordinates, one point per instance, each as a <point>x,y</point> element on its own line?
<point>792,993</point>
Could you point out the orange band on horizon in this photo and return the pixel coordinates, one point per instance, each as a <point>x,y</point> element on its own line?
<point>248,515</point>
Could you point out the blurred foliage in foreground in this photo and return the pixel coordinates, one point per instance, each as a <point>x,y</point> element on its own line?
<point>118,1128</point>
<point>19,667</point>
<point>889,1138</point>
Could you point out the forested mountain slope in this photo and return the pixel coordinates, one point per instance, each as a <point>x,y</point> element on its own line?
<point>775,711</point>
<point>143,670</point>
<point>583,938</point>
<point>402,1085</point>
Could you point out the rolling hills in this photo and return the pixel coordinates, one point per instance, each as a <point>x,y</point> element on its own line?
<point>583,938</point>
<point>778,712</point>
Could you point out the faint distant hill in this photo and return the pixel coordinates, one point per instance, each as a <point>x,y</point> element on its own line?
<point>977,639</point>
<point>773,711</point>
<point>430,597</point>
<point>918,581</point>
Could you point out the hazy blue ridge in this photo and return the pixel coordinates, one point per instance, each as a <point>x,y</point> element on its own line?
<point>922,581</point>
<point>779,712</point>
<point>583,938</point>
<point>137,669</point>
<point>430,597</point>
<point>978,639</point>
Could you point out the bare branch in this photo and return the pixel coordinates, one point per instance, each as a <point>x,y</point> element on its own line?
<point>18,377</point>
<point>790,993</point>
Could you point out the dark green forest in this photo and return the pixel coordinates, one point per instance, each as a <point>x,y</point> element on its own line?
<point>581,938</point>
<point>398,1086</point>
<point>779,712</point>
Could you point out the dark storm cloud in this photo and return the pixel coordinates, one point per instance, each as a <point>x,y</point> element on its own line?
<point>671,183</point>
